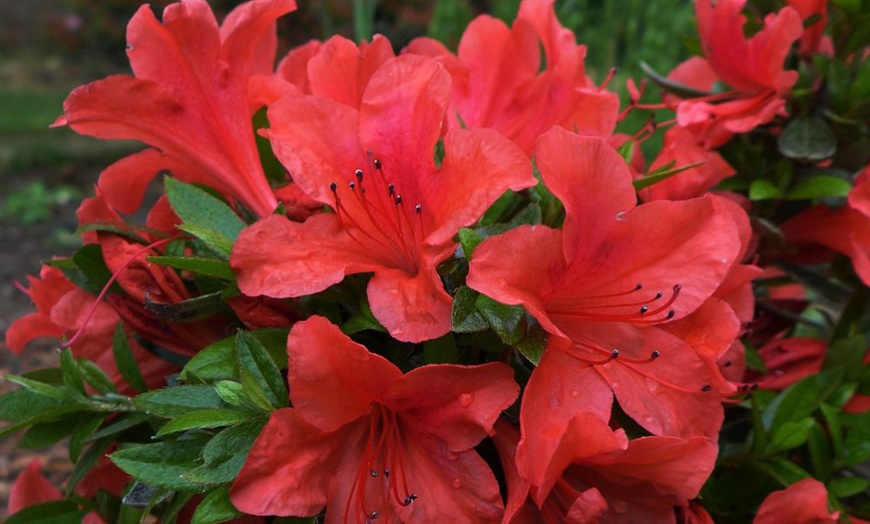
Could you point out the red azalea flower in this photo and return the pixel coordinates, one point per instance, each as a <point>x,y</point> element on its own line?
<point>500,83</point>
<point>751,67</point>
<point>31,487</point>
<point>395,213</point>
<point>189,98</point>
<point>601,285</point>
<point>813,40</point>
<point>845,230</point>
<point>805,501</point>
<point>371,443</point>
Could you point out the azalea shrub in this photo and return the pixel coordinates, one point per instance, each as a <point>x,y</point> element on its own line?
<point>449,285</point>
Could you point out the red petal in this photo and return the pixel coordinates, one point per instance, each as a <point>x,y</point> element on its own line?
<point>592,181</point>
<point>458,404</point>
<point>289,468</point>
<point>530,276</point>
<point>279,258</point>
<point>294,67</point>
<point>401,115</point>
<point>31,488</point>
<point>333,380</point>
<point>412,308</point>
<point>341,71</point>
<point>452,198</point>
<point>803,501</point>
<point>29,327</point>
<point>560,389</point>
<point>666,396</point>
<point>249,37</point>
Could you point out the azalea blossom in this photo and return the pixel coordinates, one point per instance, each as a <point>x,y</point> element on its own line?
<point>752,68</point>
<point>188,100</point>
<point>372,444</point>
<point>501,84</point>
<point>803,501</point>
<point>394,213</point>
<point>601,286</point>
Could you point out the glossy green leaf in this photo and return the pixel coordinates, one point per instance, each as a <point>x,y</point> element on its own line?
<point>53,512</point>
<point>808,139</point>
<point>818,186</point>
<point>215,507</point>
<point>162,464</point>
<point>125,360</point>
<point>175,401</point>
<point>205,418</point>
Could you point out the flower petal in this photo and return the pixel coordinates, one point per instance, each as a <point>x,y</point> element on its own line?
<point>412,308</point>
<point>333,380</point>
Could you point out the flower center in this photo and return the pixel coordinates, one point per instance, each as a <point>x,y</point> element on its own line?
<point>381,469</point>
<point>375,215</point>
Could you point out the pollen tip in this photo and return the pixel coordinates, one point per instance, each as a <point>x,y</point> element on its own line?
<point>655,354</point>
<point>418,208</point>
<point>671,314</point>
<point>359,174</point>
<point>398,200</point>
<point>659,295</point>
<point>638,287</point>
<point>377,164</point>
<point>677,287</point>
<point>644,309</point>
<point>706,388</point>
<point>333,187</point>
<point>614,353</point>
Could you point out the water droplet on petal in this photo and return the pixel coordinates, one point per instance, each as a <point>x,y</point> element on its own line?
<point>457,483</point>
<point>620,506</point>
<point>575,393</point>
<point>622,215</point>
<point>465,399</point>
<point>452,456</point>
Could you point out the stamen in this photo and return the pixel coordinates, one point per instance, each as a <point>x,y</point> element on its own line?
<point>377,164</point>
<point>359,174</point>
<point>418,208</point>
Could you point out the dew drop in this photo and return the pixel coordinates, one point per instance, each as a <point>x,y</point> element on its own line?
<point>465,399</point>
<point>452,456</point>
<point>620,506</point>
<point>457,483</point>
<point>621,216</point>
<point>575,393</point>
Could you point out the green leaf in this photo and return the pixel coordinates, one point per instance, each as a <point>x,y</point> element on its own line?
<point>96,377</point>
<point>669,85</point>
<point>215,507</point>
<point>783,470</point>
<point>532,346</point>
<point>189,310</point>
<point>469,239</point>
<point>820,452</point>
<point>204,215</point>
<point>45,434</point>
<point>89,260</point>
<point>799,400</point>
<point>626,150</point>
<point>234,394</point>
<point>506,321</point>
<point>856,445</point>
<point>125,360</point>
<point>176,401</point>
<point>818,186</point>
<point>844,487</point>
<point>835,427</point>
<point>253,356</point>
<point>73,379</point>
<point>218,361</point>
<point>807,139</point>
<point>121,423</point>
<point>465,317</point>
<point>162,464</point>
<point>662,173</point>
<point>83,429</point>
<point>442,350</point>
<point>40,388</point>
<point>54,512</point>
<point>225,454</point>
<point>763,190</point>
<point>203,266</point>
<point>206,418</point>
<point>22,404</point>
<point>254,392</point>
<point>790,435</point>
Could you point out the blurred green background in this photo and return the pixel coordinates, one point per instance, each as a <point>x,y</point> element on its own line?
<point>48,47</point>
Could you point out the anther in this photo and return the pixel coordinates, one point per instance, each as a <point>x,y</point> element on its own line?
<point>387,473</point>
<point>706,388</point>
<point>614,354</point>
<point>638,287</point>
<point>671,314</point>
<point>373,473</point>
<point>644,309</point>
<point>359,174</point>
<point>391,189</point>
<point>333,187</point>
<point>409,499</point>
<point>352,186</point>
<point>655,354</point>
<point>377,164</point>
<point>659,295</point>
<point>398,200</point>
<point>418,208</point>
<point>374,515</point>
